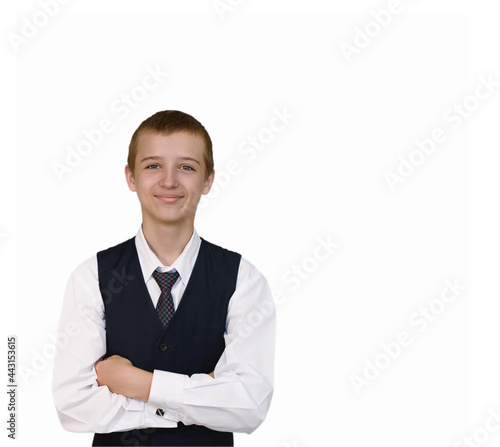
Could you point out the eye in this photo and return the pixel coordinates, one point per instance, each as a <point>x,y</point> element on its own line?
<point>187,168</point>
<point>152,166</point>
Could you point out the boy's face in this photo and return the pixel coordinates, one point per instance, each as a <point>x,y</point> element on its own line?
<point>169,177</point>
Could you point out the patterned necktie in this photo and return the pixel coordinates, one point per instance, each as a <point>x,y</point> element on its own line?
<point>165,306</point>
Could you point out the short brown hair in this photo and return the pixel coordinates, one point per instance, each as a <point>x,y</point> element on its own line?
<point>167,122</point>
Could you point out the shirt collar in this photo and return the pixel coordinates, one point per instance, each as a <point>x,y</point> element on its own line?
<point>183,264</point>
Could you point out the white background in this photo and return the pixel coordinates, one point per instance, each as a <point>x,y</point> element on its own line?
<point>322,177</point>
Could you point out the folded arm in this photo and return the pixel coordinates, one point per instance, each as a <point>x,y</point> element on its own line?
<point>114,395</point>
<point>82,405</point>
<point>237,394</point>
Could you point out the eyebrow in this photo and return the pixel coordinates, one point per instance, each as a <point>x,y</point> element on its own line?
<point>151,157</point>
<point>190,159</point>
<point>156,157</point>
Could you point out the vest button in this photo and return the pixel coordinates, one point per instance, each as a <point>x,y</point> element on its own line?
<point>163,347</point>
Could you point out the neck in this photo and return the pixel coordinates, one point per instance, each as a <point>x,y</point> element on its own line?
<point>167,242</point>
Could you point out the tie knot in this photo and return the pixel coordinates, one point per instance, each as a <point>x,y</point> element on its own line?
<point>165,280</point>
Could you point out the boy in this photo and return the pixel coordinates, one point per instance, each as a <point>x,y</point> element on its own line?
<point>168,352</point>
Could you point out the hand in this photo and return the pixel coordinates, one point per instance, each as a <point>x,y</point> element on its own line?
<point>121,377</point>
<point>107,369</point>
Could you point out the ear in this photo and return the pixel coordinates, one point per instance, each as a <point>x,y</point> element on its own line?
<point>208,183</point>
<point>130,178</point>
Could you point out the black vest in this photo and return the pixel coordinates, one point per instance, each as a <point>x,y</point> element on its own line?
<point>192,343</point>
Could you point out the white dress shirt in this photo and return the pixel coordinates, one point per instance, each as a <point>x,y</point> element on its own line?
<point>236,400</point>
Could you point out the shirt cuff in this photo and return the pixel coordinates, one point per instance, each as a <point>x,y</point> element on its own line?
<point>165,393</point>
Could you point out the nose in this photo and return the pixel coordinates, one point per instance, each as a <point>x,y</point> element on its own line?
<point>169,178</point>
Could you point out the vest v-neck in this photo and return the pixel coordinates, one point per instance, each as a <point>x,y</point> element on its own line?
<point>192,343</point>
<point>187,291</point>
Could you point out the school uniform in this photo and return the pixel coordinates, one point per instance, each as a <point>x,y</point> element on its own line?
<point>224,321</point>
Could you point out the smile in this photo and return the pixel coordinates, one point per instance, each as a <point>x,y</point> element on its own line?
<point>168,198</point>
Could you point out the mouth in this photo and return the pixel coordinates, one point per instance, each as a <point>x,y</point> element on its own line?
<point>169,198</point>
